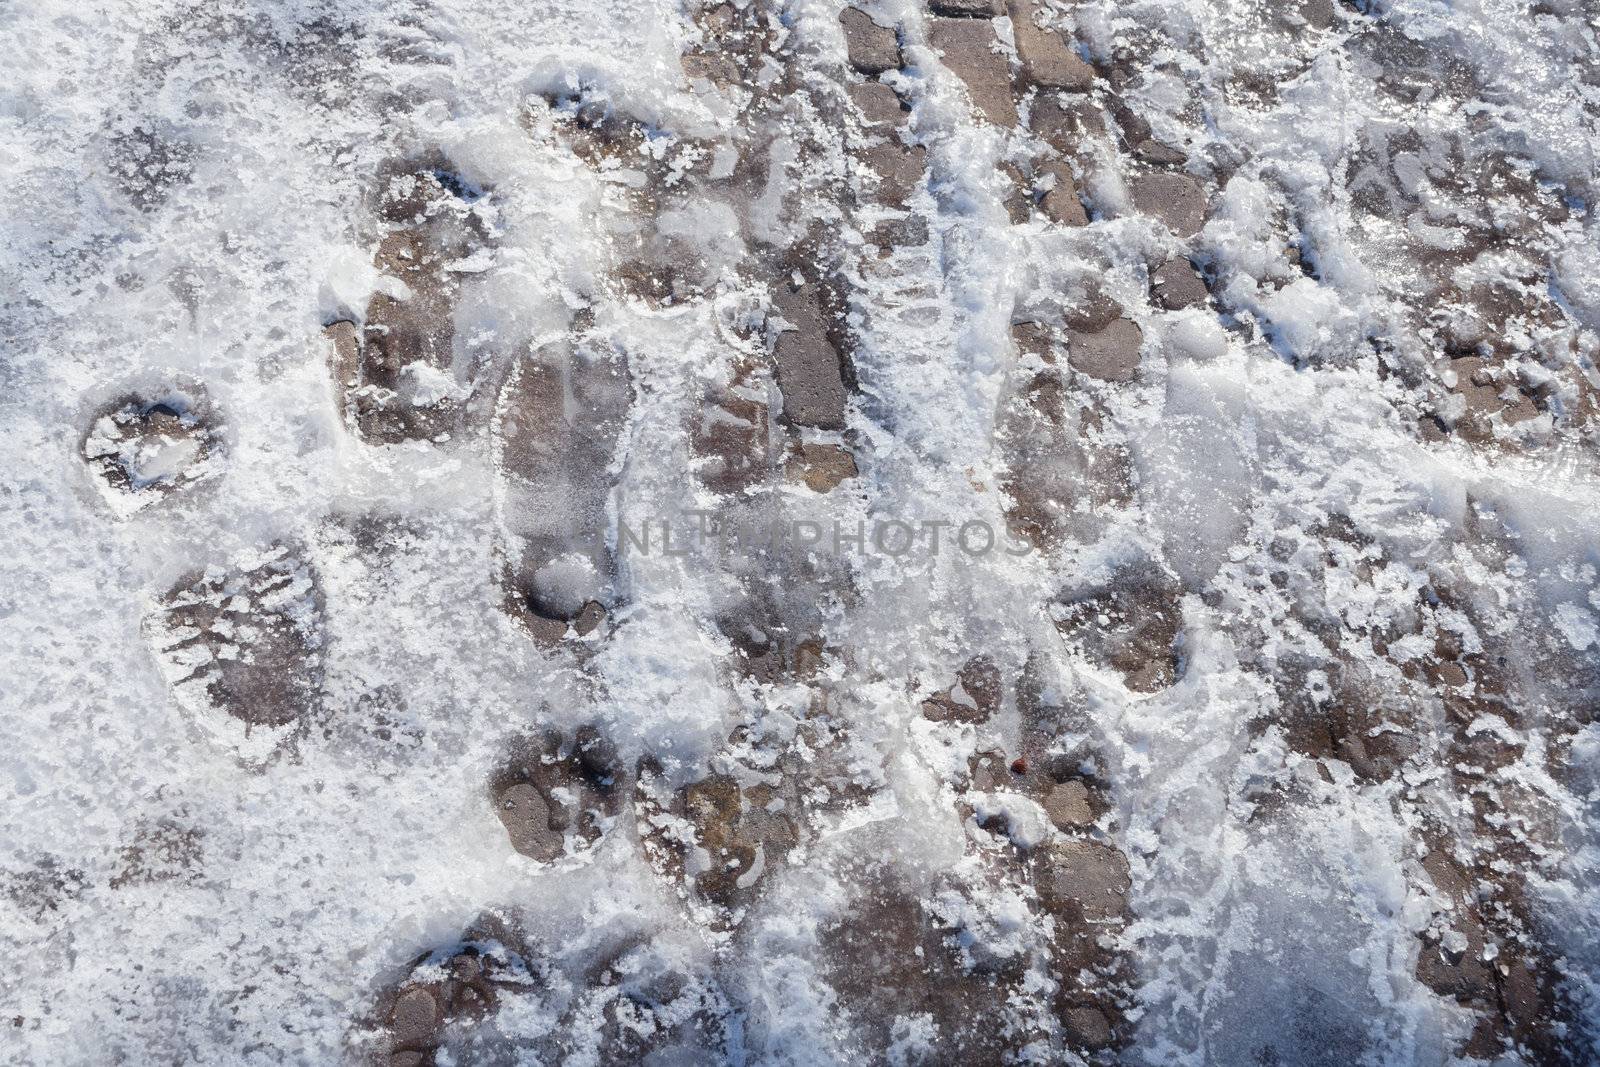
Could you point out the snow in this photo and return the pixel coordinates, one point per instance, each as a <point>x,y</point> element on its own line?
<point>305,885</point>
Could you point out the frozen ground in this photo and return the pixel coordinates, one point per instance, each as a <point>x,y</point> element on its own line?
<point>359,355</point>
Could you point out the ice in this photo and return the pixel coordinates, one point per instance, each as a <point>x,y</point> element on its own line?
<point>263,668</point>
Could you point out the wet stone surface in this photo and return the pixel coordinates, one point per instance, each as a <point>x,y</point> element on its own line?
<point>891,170</point>
<point>1060,202</point>
<point>718,837</point>
<point>822,467</point>
<point>808,364</point>
<point>1082,880</point>
<point>1048,59</point>
<point>974,698</point>
<point>1176,285</point>
<point>975,9</point>
<point>879,104</point>
<point>1067,124</point>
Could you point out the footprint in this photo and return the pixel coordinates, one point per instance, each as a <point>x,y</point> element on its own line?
<point>559,423</point>
<point>1476,951</point>
<point>448,993</point>
<point>908,986</point>
<point>1032,823</point>
<point>1065,464</point>
<point>242,648</point>
<point>974,698</point>
<point>642,1005</point>
<point>557,796</point>
<point>970,48</point>
<point>731,433</point>
<point>720,839</point>
<point>662,215</point>
<point>148,161</point>
<point>147,445</point>
<point>398,373</point>
<point>1129,624</point>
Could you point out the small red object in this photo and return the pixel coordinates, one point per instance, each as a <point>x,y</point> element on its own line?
<point>1019,765</point>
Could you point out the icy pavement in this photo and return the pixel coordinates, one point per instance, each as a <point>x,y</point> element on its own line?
<point>798,534</point>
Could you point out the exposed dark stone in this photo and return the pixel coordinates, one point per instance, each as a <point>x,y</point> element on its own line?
<point>822,467</point>
<point>809,370</point>
<point>1318,14</point>
<point>975,9</point>
<point>742,824</point>
<point>911,231</point>
<point>879,105</point>
<point>1034,339</point>
<point>1110,354</point>
<point>971,50</point>
<point>872,48</point>
<point>1176,285</point>
<point>1067,804</point>
<point>245,643</point>
<point>407,339</point>
<point>457,985</point>
<point>1019,205</point>
<point>1048,59</point>
<point>896,168</point>
<point>1153,151</point>
<point>731,431</point>
<point>559,418</point>
<point>720,70</point>
<point>1088,1026</point>
<point>1176,199</point>
<point>1065,126</point>
<point>556,794</point>
<point>1092,312</point>
<point>644,1005</point>
<point>1060,202</point>
<point>1082,880</point>
<point>888,958</point>
<point>1130,625</point>
<point>973,699</point>
<point>1490,395</point>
